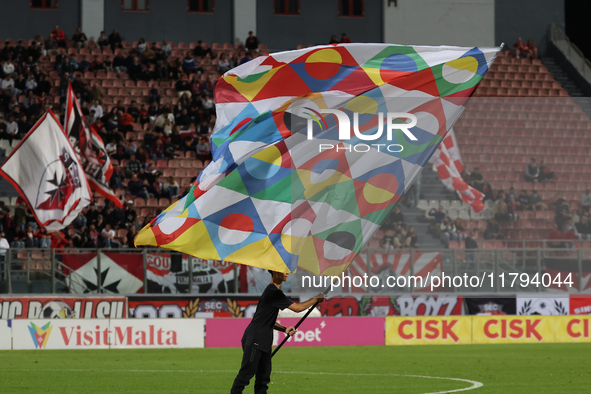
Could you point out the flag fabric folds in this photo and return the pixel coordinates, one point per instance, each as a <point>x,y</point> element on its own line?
<point>45,171</point>
<point>447,159</point>
<point>90,149</point>
<point>313,148</point>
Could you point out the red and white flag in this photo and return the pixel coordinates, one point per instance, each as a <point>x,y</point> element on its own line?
<point>45,170</point>
<point>90,149</point>
<point>447,161</point>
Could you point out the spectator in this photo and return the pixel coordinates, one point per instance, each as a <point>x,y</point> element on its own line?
<point>79,39</point>
<point>170,188</point>
<point>562,210</point>
<point>345,39</point>
<point>244,58</point>
<point>586,200</point>
<point>532,172</point>
<point>57,38</point>
<point>189,64</point>
<point>141,46</point>
<point>535,202</point>
<point>166,48</point>
<point>223,63</point>
<point>333,40</point>
<point>448,232</point>
<point>411,240</point>
<point>500,210</point>
<point>8,69</point>
<point>115,40</point>
<point>523,203</point>
<point>119,63</point>
<point>136,188</point>
<point>439,216</point>
<point>477,180</point>
<point>133,166</point>
<point>4,246</point>
<point>102,41</point>
<point>251,43</point>
<point>520,49</point>
<point>532,49</point>
<point>131,234</point>
<point>204,153</point>
<point>201,51</point>
<point>157,150</point>
<point>108,237</point>
<point>470,242</point>
<point>149,55</point>
<point>493,231</point>
<point>584,229</point>
<point>12,131</point>
<point>388,241</point>
<point>545,173</point>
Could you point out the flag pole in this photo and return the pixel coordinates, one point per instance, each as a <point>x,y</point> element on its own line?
<point>325,292</point>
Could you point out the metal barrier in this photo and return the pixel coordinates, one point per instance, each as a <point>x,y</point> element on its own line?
<point>158,271</point>
<point>571,52</point>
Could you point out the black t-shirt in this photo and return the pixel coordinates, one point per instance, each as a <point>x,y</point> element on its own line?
<point>259,332</point>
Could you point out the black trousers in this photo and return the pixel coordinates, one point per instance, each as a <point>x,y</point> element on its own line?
<point>254,362</point>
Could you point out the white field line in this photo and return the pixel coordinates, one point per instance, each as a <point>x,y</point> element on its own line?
<point>474,384</point>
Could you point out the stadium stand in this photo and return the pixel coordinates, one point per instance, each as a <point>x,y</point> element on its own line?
<point>145,95</point>
<point>519,100</point>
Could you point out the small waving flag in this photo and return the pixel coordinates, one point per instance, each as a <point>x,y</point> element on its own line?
<point>313,148</point>
<point>447,159</point>
<point>90,149</point>
<point>45,170</point>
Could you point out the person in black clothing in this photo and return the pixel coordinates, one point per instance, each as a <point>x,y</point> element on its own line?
<point>258,336</point>
<point>115,40</point>
<point>251,43</point>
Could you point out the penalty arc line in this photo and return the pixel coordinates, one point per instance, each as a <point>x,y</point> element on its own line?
<point>474,384</point>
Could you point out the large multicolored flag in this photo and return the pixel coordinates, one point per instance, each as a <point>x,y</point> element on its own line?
<point>90,149</point>
<point>313,148</point>
<point>45,171</point>
<point>447,159</point>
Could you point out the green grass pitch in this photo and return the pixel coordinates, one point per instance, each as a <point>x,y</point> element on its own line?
<point>536,368</point>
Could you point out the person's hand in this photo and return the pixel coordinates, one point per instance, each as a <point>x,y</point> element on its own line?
<point>320,298</point>
<point>290,331</point>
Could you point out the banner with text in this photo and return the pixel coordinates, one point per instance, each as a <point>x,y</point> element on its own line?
<point>62,307</point>
<point>392,306</point>
<point>107,333</point>
<point>314,331</point>
<point>192,306</point>
<point>428,330</point>
<point>169,273</point>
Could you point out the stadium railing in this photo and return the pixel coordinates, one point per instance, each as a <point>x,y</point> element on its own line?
<point>543,268</point>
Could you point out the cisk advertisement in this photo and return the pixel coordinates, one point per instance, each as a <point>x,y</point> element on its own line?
<point>434,330</point>
<point>107,333</point>
<point>512,329</point>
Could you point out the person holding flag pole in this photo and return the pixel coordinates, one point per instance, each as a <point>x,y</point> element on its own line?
<point>258,336</point>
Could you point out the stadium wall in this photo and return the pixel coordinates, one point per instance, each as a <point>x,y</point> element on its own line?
<point>447,22</point>
<point>317,22</point>
<point>527,19</point>
<point>170,20</point>
<point>20,21</point>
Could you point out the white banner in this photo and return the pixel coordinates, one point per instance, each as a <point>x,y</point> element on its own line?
<point>106,333</point>
<point>157,333</point>
<point>542,306</point>
<point>60,334</point>
<point>5,335</point>
<point>45,170</point>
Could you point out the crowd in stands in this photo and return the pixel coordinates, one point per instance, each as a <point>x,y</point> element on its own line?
<point>176,127</point>
<point>397,234</point>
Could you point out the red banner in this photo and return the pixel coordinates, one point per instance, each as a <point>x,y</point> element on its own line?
<point>392,306</point>
<point>62,307</point>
